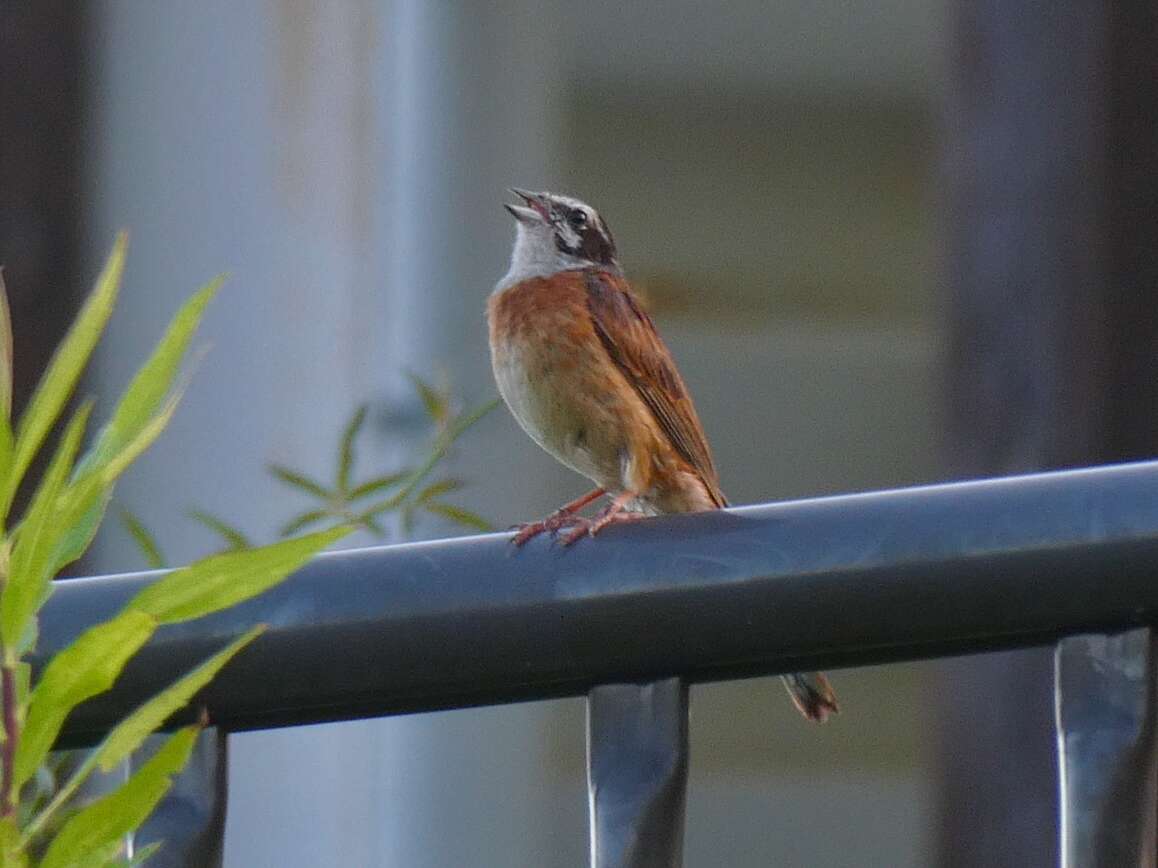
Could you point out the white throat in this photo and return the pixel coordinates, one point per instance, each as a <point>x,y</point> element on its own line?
<point>535,255</point>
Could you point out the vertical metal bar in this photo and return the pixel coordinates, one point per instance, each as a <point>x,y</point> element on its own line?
<point>1106,742</point>
<point>637,773</point>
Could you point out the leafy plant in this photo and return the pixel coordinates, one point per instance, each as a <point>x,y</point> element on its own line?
<point>345,502</point>
<point>63,513</point>
<point>406,492</point>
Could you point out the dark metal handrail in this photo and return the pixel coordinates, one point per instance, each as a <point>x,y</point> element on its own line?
<point>838,581</point>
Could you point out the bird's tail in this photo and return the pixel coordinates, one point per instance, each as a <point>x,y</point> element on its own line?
<point>812,694</point>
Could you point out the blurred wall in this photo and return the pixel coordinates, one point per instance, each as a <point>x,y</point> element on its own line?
<point>766,172</point>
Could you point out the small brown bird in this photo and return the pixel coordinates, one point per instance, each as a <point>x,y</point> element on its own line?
<point>580,365</point>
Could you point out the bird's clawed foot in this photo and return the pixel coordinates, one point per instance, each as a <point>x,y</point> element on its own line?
<point>613,514</point>
<point>564,516</point>
<point>552,524</point>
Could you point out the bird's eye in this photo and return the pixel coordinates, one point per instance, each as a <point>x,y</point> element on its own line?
<point>577,219</point>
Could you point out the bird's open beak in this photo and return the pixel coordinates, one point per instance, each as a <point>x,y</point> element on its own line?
<point>536,213</point>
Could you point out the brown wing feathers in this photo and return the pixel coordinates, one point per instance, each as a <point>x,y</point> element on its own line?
<point>630,338</point>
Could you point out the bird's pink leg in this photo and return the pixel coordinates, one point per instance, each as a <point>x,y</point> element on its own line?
<point>613,512</point>
<point>560,518</point>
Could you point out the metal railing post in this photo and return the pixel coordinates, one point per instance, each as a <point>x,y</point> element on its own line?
<point>1106,741</point>
<point>637,773</point>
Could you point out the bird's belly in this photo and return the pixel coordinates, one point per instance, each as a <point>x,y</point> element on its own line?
<point>552,395</point>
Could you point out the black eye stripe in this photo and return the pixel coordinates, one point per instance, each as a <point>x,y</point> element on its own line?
<point>582,234</point>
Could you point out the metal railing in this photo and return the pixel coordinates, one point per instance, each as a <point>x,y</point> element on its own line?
<point>631,618</point>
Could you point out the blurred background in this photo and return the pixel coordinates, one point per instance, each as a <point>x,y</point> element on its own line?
<point>888,243</point>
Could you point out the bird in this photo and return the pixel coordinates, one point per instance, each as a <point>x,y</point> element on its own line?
<point>580,365</point>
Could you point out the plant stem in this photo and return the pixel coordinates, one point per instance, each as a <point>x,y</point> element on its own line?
<point>11,735</point>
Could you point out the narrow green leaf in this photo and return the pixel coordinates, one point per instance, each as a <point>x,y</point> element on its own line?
<point>23,682</point>
<point>30,561</point>
<point>224,580</point>
<point>234,538</point>
<point>144,539</point>
<point>303,521</point>
<point>346,450</point>
<point>130,733</point>
<point>300,481</point>
<point>437,403</point>
<point>77,535</point>
<point>154,381</point>
<point>108,819</point>
<point>437,489</point>
<point>377,484</point>
<point>5,354</point>
<point>459,515</point>
<point>105,856</point>
<point>83,502</point>
<point>12,855</point>
<point>7,445</point>
<point>31,634</point>
<point>64,370</point>
<point>85,668</point>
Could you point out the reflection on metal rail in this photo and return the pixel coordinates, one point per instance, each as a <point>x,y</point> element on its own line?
<point>840,581</point>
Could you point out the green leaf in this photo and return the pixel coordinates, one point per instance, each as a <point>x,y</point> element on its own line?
<point>303,521</point>
<point>30,562</point>
<point>31,634</point>
<point>224,580</point>
<point>437,403</point>
<point>130,733</point>
<point>144,539</point>
<point>108,819</point>
<point>64,370</point>
<point>6,457</point>
<point>346,450</point>
<point>5,355</point>
<point>458,515</point>
<point>377,484</point>
<point>85,668</point>
<point>78,532</point>
<point>152,384</point>
<point>437,489</point>
<point>298,480</point>
<point>234,538</point>
<point>83,502</point>
<point>12,855</point>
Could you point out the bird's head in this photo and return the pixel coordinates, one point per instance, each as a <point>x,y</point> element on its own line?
<point>557,233</point>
